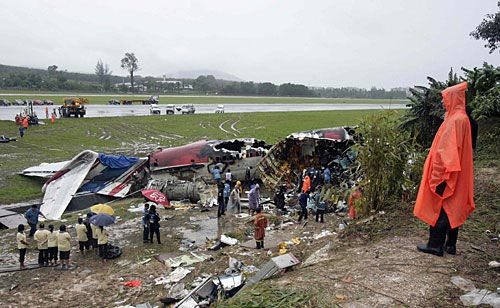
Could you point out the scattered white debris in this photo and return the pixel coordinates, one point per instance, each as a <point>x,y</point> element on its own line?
<point>494,264</point>
<point>228,240</point>
<point>177,275</point>
<point>323,234</point>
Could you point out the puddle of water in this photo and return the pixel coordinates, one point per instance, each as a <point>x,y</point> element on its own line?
<point>207,228</point>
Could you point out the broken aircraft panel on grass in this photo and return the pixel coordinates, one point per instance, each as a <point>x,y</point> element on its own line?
<point>44,170</point>
<point>89,173</point>
<point>329,147</point>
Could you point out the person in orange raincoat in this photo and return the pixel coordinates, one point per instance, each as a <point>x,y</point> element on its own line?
<point>355,196</point>
<point>260,224</point>
<point>445,196</point>
<point>53,118</point>
<point>306,186</point>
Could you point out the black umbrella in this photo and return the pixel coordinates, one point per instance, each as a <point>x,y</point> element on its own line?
<point>102,220</point>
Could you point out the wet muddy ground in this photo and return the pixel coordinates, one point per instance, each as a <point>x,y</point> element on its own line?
<point>372,263</point>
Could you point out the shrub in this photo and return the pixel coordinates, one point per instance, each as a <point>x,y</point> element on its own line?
<point>390,160</point>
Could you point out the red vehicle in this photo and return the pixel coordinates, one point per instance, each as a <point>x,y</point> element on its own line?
<point>37,102</point>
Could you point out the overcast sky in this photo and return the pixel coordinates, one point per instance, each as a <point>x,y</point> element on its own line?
<point>363,43</point>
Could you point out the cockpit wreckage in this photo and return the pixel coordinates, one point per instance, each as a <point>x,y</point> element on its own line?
<point>185,172</point>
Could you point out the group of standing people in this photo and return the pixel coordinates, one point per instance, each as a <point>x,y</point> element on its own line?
<point>56,245</point>
<point>24,122</point>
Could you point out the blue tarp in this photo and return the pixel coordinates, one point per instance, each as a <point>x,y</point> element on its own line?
<point>117,161</point>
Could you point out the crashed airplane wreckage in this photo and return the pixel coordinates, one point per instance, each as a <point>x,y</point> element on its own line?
<point>87,179</point>
<point>183,172</point>
<point>312,150</point>
<point>91,177</point>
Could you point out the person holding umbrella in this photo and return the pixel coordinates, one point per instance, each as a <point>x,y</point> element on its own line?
<point>153,221</point>
<point>102,220</point>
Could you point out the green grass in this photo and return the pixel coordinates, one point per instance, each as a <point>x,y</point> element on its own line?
<point>179,100</point>
<point>139,136</point>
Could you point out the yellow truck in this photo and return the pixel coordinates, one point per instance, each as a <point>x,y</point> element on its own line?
<point>74,106</point>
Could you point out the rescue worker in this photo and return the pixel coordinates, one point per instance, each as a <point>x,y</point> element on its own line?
<point>253,199</point>
<point>82,235</point>
<point>260,224</point>
<point>31,216</point>
<point>153,219</point>
<point>234,204</point>
<point>304,196</point>
<point>42,239</point>
<point>306,185</point>
<point>64,246</point>
<point>353,198</point>
<point>22,245</point>
<point>52,246</point>
<point>445,196</point>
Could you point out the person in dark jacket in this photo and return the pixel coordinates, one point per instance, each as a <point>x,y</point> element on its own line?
<point>153,220</point>
<point>220,200</point>
<point>303,205</point>
<point>31,216</point>
<point>145,225</point>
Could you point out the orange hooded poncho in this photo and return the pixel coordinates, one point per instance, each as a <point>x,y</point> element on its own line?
<point>306,186</point>
<point>449,161</point>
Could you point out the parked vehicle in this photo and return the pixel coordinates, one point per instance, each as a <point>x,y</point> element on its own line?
<point>37,102</point>
<point>4,102</point>
<point>186,109</point>
<point>74,106</point>
<point>170,109</point>
<point>48,102</point>
<point>114,102</point>
<point>219,109</point>
<point>18,102</point>
<point>154,109</point>
<point>153,99</point>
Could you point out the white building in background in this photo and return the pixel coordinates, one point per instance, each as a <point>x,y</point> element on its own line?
<point>179,83</point>
<point>138,87</point>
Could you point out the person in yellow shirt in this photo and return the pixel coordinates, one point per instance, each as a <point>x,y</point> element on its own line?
<point>95,235</point>
<point>22,245</point>
<point>102,242</point>
<point>42,238</point>
<point>64,245</point>
<point>52,245</point>
<point>81,233</point>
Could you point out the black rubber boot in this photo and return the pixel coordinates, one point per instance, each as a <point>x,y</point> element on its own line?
<point>435,244</point>
<point>451,242</point>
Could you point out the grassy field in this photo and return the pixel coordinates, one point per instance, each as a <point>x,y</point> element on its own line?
<point>179,100</point>
<point>139,136</point>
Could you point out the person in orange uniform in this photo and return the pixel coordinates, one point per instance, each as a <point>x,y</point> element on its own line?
<point>260,224</point>
<point>353,198</point>
<point>445,196</point>
<point>306,186</point>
